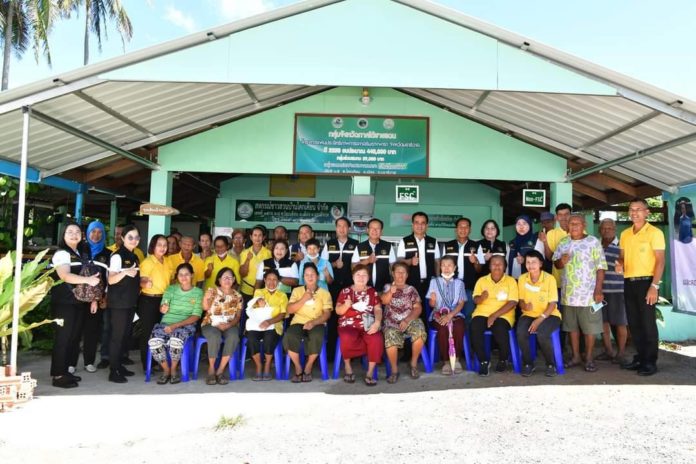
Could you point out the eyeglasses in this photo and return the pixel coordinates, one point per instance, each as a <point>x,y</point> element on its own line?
<point>132,237</point>
<point>226,277</point>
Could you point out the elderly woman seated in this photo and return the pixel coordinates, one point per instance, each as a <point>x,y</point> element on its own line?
<point>223,309</point>
<point>181,306</point>
<point>311,307</point>
<point>402,310</point>
<point>359,323</point>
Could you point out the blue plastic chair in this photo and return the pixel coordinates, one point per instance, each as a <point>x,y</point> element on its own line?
<point>338,362</point>
<point>323,363</point>
<point>557,351</point>
<point>183,363</point>
<point>277,358</point>
<point>232,365</point>
<point>433,350</point>
<point>515,356</point>
<point>425,358</point>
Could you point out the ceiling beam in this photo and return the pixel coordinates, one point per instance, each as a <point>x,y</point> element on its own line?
<point>590,192</point>
<point>613,183</point>
<point>130,178</point>
<point>111,168</point>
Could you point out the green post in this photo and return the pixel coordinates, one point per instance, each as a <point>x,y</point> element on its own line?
<point>161,194</point>
<point>113,219</point>
<point>561,192</point>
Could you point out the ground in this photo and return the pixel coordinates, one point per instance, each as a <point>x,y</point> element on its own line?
<point>608,416</point>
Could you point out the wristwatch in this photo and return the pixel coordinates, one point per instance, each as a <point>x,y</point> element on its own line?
<point>655,286</point>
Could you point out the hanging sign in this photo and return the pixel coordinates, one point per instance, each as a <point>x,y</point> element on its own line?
<point>407,194</point>
<point>534,198</point>
<point>151,209</point>
<point>361,145</point>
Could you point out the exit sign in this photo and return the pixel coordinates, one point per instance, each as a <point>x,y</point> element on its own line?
<point>407,193</point>
<point>535,198</point>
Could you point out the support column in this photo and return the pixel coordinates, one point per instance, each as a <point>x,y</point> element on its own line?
<point>113,217</point>
<point>80,203</point>
<point>160,194</point>
<point>561,192</point>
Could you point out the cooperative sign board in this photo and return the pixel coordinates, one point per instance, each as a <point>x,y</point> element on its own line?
<point>361,145</point>
<point>407,194</point>
<point>534,198</point>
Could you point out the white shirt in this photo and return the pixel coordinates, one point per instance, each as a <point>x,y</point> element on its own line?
<point>62,257</point>
<point>420,243</point>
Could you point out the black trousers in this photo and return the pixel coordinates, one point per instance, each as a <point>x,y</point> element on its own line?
<point>500,328</point>
<point>641,320</point>
<point>91,331</point>
<point>121,321</point>
<point>149,314</point>
<point>543,337</point>
<point>66,338</point>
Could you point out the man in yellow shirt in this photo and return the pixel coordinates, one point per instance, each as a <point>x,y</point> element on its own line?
<point>186,256</point>
<point>642,261</point>
<point>118,241</point>
<point>220,260</point>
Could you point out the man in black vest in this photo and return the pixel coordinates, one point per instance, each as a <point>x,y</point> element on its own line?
<point>377,254</point>
<point>464,250</point>
<point>421,253</point>
<point>299,250</point>
<point>339,253</point>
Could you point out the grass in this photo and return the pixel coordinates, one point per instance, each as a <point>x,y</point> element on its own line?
<point>228,423</point>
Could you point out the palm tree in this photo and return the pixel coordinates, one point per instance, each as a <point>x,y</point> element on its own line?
<point>97,13</point>
<point>24,22</point>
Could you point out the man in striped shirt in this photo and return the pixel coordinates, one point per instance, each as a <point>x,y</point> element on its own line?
<point>614,313</point>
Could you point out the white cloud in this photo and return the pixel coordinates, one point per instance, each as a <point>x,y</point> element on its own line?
<point>237,9</point>
<point>179,18</point>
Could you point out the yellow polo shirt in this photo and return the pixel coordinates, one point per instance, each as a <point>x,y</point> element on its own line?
<point>218,264</point>
<point>136,251</point>
<point>639,250</point>
<point>499,293</point>
<point>159,273</point>
<point>553,238</point>
<point>311,310</point>
<point>249,280</point>
<point>277,300</point>
<point>195,262</point>
<point>540,294</point>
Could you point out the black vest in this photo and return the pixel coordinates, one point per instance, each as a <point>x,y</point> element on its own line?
<point>451,248</point>
<point>124,294</point>
<point>342,277</point>
<point>497,248</point>
<point>63,293</point>
<point>382,271</point>
<point>270,263</point>
<point>411,248</point>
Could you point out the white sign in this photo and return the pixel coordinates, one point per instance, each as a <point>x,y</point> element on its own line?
<point>407,193</point>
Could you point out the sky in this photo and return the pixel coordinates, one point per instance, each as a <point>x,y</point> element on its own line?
<point>649,40</point>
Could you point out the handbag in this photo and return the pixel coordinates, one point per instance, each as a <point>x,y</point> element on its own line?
<point>84,292</point>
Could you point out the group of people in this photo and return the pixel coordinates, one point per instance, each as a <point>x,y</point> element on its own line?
<point>367,298</point>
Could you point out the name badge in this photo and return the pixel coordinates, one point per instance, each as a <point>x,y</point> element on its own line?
<point>532,288</point>
<point>502,296</point>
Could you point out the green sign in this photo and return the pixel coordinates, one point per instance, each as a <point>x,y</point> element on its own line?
<point>361,145</point>
<point>407,194</point>
<point>311,212</point>
<point>534,198</point>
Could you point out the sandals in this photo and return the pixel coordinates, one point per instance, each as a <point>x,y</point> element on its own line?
<point>211,380</point>
<point>570,364</point>
<point>370,382</point>
<point>306,377</point>
<point>604,356</point>
<point>297,378</point>
<point>393,378</point>
<point>349,378</point>
<point>414,374</point>
<point>221,379</point>
<point>257,378</point>
<point>590,367</point>
<point>176,378</point>
<point>446,369</point>
<point>163,379</point>
<point>266,377</point>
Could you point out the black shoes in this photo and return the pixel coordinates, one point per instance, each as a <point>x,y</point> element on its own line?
<point>64,381</point>
<point>632,365</point>
<point>76,378</point>
<point>527,370</point>
<point>648,369</point>
<point>127,362</point>
<point>550,371</point>
<point>116,377</point>
<point>484,368</point>
<point>125,372</point>
<point>502,366</point>
<point>103,364</point>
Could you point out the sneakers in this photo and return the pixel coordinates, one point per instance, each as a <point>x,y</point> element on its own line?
<point>527,370</point>
<point>125,372</point>
<point>550,371</point>
<point>127,361</point>
<point>502,366</point>
<point>116,377</point>
<point>90,368</point>
<point>64,381</point>
<point>103,364</point>
<point>484,368</point>
<point>71,369</point>
<point>75,378</point>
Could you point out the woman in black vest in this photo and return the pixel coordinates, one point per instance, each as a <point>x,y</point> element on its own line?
<point>489,246</point>
<point>287,269</point>
<point>124,289</point>
<point>67,262</point>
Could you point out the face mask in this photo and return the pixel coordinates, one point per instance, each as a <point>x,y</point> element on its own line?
<point>271,289</point>
<point>222,256</point>
<point>312,256</point>
<point>448,276</point>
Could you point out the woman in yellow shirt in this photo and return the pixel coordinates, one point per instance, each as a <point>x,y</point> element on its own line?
<point>311,306</point>
<point>538,301</point>
<point>249,261</point>
<point>495,296</point>
<point>270,330</point>
<point>220,260</point>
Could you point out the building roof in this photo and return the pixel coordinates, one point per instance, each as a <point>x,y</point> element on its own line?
<point>621,137</point>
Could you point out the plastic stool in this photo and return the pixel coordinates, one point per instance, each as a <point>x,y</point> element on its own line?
<point>277,358</point>
<point>232,365</point>
<point>322,361</point>
<point>183,363</point>
<point>557,351</point>
<point>514,351</point>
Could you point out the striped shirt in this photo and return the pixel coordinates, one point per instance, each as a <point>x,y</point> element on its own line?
<point>613,281</point>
